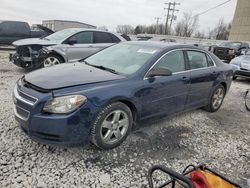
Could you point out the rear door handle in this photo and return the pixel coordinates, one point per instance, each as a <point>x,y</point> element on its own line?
<point>184,78</point>
<point>214,72</point>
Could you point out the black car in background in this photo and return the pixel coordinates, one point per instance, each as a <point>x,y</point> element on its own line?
<point>11,31</point>
<point>228,50</point>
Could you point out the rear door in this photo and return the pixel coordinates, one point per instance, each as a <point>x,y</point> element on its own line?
<point>203,75</point>
<point>166,94</point>
<point>83,47</point>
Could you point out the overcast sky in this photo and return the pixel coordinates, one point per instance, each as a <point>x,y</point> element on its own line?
<point>112,12</point>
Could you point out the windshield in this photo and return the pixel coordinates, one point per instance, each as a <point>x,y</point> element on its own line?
<point>122,58</point>
<point>231,44</point>
<point>61,35</point>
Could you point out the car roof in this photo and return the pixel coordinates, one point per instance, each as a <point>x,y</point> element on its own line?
<point>76,30</point>
<point>162,45</point>
<point>89,29</point>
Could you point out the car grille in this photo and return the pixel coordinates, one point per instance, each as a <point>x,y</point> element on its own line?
<point>25,98</point>
<point>220,52</point>
<point>21,113</point>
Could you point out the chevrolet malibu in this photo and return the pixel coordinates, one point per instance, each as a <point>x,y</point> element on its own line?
<point>99,99</point>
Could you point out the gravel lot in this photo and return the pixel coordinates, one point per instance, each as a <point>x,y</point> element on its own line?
<point>221,140</point>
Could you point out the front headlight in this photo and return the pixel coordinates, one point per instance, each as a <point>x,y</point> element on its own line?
<point>65,104</point>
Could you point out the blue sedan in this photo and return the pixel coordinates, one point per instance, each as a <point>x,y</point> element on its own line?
<point>99,99</point>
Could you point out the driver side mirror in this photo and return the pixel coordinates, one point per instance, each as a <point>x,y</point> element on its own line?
<point>160,71</point>
<point>247,100</point>
<point>71,42</point>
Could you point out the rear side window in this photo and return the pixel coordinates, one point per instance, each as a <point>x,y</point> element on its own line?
<point>83,38</point>
<point>174,61</point>
<point>102,37</point>
<point>115,39</point>
<point>15,28</point>
<point>197,60</point>
<point>210,61</point>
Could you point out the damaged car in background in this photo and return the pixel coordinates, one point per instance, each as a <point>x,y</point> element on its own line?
<point>226,51</point>
<point>241,66</point>
<point>67,45</point>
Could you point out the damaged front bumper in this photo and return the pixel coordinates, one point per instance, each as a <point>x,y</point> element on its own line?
<point>28,59</point>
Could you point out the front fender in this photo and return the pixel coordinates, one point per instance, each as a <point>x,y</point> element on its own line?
<point>60,50</point>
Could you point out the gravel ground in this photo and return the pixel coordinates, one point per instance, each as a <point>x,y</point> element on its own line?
<point>221,140</point>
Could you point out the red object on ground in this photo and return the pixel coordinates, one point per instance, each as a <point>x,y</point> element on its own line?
<point>199,180</point>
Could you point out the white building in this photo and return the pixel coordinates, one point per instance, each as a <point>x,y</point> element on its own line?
<point>57,25</point>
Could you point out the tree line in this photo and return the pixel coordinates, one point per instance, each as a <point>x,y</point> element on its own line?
<point>188,26</point>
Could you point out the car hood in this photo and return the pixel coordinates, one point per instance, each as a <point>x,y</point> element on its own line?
<point>32,41</point>
<point>67,75</point>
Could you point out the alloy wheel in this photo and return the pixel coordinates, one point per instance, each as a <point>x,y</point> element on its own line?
<point>51,61</point>
<point>114,126</point>
<point>218,98</point>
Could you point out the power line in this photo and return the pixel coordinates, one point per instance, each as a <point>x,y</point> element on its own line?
<point>213,8</point>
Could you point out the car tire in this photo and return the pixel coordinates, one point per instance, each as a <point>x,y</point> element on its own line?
<point>111,126</point>
<point>51,60</point>
<point>216,99</point>
<point>234,77</point>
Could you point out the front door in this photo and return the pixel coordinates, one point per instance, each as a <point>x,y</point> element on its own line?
<point>83,46</point>
<point>166,94</point>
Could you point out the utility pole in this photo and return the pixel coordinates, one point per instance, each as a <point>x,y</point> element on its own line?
<point>157,24</point>
<point>173,13</point>
<point>157,20</point>
<point>168,11</point>
<point>170,15</point>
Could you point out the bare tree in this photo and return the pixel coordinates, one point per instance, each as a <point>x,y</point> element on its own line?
<point>187,26</point>
<point>200,34</point>
<point>179,30</point>
<point>126,29</point>
<point>222,30</point>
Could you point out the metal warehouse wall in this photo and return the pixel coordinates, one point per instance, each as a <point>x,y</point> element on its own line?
<point>241,23</point>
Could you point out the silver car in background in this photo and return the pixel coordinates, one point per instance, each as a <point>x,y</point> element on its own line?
<point>241,65</point>
<point>63,46</point>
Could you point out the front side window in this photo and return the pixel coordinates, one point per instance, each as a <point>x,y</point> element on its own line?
<point>197,60</point>
<point>83,37</point>
<point>174,61</point>
<point>102,37</point>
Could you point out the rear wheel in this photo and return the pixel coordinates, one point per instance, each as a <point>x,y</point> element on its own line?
<point>52,60</point>
<point>112,126</point>
<point>216,99</point>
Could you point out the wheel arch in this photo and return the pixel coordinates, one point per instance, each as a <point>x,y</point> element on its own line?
<point>127,102</point>
<point>224,84</point>
<point>53,52</point>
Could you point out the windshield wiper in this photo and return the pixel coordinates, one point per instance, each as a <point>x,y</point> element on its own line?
<point>101,67</point>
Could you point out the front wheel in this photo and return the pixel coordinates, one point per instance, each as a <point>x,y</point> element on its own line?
<point>216,99</point>
<point>112,126</point>
<point>52,60</point>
